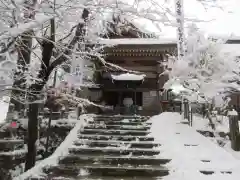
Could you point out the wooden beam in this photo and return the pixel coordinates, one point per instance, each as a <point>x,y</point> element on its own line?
<point>141,68</point>
<point>126,90</point>
<point>134,63</point>
<point>141,49</point>
<point>131,58</point>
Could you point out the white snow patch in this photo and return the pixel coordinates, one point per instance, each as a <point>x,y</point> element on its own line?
<point>187,160</point>
<point>3,109</point>
<point>138,41</point>
<point>231,49</point>
<point>177,88</point>
<point>61,151</point>
<point>232,113</point>
<point>128,77</point>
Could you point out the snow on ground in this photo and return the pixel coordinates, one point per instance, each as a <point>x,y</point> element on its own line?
<point>3,109</point>
<point>228,148</point>
<point>200,123</point>
<point>61,151</point>
<point>187,160</point>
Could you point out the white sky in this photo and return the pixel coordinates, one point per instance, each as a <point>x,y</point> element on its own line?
<point>221,21</point>
<point>217,21</point>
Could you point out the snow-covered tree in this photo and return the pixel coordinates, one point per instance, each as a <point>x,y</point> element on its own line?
<point>39,36</point>
<point>206,72</point>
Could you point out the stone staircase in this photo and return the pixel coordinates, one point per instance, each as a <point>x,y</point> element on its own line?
<point>112,147</point>
<point>11,155</point>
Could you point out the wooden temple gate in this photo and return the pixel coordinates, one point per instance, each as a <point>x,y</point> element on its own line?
<point>136,56</point>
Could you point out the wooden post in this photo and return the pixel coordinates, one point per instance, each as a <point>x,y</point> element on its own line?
<point>186,110</point>
<point>120,103</point>
<point>181,108</point>
<point>48,134</point>
<point>135,101</point>
<point>191,117</point>
<point>234,130</point>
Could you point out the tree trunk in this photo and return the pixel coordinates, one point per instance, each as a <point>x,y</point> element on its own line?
<point>46,69</point>
<point>208,114</point>
<point>33,106</point>
<point>180,28</point>
<point>32,135</point>
<point>24,56</point>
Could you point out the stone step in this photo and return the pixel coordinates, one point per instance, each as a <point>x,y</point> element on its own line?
<point>100,170</point>
<point>98,178</point>
<point>121,120</point>
<point>112,143</point>
<point>121,117</point>
<point>115,132</point>
<point>118,127</point>
<point>15,153</point>
<point>5,134</point>
<point>113,151</point>
<point>9,144</point>
<point>64,177</point>
<point>9,162</point>
<point>119,123</point>
<point>115,137</point>
<point>12,141</point>
<point>113,160</point>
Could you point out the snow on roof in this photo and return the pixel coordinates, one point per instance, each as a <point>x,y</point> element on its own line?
<point>128,77</point>
<point>177,88</point>
<point>232,49</point>
<point>137,41</point>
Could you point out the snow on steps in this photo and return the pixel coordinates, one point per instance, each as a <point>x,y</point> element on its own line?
<point>125,150</point>
<point>99,131</point>
<point>12,154</point>
<point>116,137</point>
<point>134,160</point>
<point>102,170</point>
<point>134,157</point>
<point>188,155</point>
<point>120,127</point>
<point>114,143</point>
<point>115,158</point>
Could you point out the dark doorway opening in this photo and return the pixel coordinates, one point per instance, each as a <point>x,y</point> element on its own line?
<point>115,98</point>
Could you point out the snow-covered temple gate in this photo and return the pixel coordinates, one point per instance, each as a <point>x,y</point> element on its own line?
<point>143,56</point>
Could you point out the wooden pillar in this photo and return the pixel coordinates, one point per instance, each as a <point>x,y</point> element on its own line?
<point>159,70</point>
<point>135,101</point>
<point>186,109</point>
<point>119,101</point>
